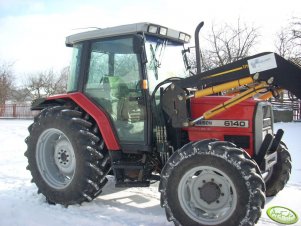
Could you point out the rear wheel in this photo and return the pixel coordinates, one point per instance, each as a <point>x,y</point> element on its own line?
<point>66,156</point>
<point>277,177</point>
<point>211,183</point>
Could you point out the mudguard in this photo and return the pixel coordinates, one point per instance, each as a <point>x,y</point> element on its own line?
<point>81,100</point>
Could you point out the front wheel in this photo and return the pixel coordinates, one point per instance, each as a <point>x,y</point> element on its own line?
<point>277,177</point>
<point>211,183</point>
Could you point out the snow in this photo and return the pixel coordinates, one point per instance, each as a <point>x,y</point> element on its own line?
<point>20,205</point>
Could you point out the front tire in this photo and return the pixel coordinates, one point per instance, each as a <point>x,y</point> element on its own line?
<point>211,183</point>
<point>66,155</point>
<point>279,174</point>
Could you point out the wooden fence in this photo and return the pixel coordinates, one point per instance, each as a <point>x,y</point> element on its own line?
<point>16,111</point>
<point>286,104</point>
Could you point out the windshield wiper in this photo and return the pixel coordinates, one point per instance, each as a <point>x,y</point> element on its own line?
<point>154,62</point>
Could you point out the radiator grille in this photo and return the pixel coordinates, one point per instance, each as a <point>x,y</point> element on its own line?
<point>263,123</point>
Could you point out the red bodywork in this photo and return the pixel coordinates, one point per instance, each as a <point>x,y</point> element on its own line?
<point>243,111</point>
<point>99,116</point>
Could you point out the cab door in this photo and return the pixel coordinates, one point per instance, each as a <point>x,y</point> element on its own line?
<point>113,82</point>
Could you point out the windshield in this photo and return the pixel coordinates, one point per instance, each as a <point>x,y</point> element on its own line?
<point>164,60</point>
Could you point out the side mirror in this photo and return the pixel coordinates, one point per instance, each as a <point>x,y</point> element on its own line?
<point>185,59</point>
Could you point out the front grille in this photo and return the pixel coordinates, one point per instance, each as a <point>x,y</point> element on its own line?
<point>267,111</point>
<point>267,122</point>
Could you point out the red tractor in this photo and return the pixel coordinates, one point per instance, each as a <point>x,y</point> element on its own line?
<point>133,110</point>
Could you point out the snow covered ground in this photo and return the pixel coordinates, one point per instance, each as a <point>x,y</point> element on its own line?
<point>20,205</point>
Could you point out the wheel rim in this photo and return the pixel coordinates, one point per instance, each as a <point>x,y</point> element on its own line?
<point>55,158</point>
<point>207,195</point>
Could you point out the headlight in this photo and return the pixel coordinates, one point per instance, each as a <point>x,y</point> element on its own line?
<point>182,36</point>
<point>187,38</point>
<point>163,31</point>
<point>152,29</point>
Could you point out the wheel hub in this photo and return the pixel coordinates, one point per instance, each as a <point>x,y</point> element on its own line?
<point>63,156</point>
<point>210,192</point>
<point>207,195</point>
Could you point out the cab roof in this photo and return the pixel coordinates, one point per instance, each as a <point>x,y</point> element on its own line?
<point>137,28</point>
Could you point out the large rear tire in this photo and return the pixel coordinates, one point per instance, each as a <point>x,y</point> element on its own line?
<point>66,155</point>
<point>279,174</point>
<point>212,183</point>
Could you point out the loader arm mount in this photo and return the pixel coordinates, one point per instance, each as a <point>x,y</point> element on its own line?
<point>265,73</point>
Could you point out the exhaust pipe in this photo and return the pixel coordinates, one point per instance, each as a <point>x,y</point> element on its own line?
<point>197,47</point>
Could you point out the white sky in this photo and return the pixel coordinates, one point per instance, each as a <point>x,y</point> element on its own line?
<point>33,31</point>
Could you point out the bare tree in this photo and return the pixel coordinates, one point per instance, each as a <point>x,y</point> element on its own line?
<point>47,83</point>
<point>20,95</point>
<point>227,44</point>
<point>288,41</point>
<point>297,32</point>
<point>6,81</point>
<point>62,80</point>
<point>288,45</point>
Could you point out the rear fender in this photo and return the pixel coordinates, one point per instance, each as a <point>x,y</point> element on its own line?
<point>98,114</point>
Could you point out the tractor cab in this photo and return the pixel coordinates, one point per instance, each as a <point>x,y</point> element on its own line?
<point>118,69</point>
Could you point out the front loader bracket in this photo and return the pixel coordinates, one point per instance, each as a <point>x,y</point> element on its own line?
<point>175,106</point>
